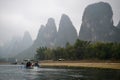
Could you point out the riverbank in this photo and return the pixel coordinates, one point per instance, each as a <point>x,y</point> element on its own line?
<point>81,64</point>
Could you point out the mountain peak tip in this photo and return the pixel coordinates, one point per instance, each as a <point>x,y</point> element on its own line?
<point>51,20</point>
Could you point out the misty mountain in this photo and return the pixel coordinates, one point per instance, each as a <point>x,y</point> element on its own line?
<point>117,32</point>
<point>47,34</point>
<point>49,37</point>
<point>26,41</point>
<point>97,23</point>
<point>16,45</point>
<point>45,38</point>
<point>66,32</point>
<point>10,48</point>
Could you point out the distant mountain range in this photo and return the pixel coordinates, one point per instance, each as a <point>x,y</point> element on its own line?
<point>97,25</point>
<point>16,45</point>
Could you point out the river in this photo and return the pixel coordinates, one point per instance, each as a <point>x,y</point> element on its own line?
<point>18,72</point>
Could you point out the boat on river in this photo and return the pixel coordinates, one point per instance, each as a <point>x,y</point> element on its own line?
<point>32,65</point>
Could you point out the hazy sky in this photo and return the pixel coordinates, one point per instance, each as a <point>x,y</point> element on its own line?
<point>18,16</point>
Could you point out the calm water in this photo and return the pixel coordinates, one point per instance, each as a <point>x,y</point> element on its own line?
<point>17,72</point>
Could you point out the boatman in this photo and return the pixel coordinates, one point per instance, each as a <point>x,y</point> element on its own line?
<point>28,64</point>
<point>36,64</point>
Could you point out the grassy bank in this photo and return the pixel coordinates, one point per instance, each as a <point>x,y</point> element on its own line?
<point>81,64</point>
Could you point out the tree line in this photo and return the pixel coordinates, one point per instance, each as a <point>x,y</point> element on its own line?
<point>81,50</point>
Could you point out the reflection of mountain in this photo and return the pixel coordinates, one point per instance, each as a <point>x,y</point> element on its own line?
<point>16,45</point>
<point>97,23</point>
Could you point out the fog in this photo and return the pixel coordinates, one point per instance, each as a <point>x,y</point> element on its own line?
<point>18,16</point>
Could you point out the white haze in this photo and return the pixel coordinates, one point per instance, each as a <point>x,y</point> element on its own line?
<point>18,16</point>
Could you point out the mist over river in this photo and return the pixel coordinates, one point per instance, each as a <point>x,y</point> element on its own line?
<point>18,72</point>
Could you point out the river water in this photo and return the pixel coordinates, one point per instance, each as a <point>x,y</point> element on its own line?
<point>18,72</point>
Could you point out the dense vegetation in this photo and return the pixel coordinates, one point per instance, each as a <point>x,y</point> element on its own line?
<point>81,50</point>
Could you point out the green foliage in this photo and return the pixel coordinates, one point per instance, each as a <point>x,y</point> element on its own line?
<point>70,53</point>
<point>81,50</point>
<point>116,51</point>
<point>41,53</point>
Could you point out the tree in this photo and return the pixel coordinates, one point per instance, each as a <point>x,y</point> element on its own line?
<point>41,53</point>
<point>48,54</point>
<point>81,48</point>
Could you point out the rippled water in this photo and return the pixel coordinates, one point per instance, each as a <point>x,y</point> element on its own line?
<point>18,72</point>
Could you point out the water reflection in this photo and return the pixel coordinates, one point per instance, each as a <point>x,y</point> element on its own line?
<point>13,72</point>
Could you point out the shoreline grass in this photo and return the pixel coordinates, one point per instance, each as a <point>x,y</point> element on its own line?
<point>77,64</point>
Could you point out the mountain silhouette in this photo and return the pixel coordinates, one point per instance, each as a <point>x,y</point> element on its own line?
<point>66,32</point>
<point>45,38</point>
<point>97,23</point>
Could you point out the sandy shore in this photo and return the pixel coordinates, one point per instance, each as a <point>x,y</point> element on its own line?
<point>105,65</point>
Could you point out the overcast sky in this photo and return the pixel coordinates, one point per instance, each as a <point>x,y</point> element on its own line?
<point>18,16</point>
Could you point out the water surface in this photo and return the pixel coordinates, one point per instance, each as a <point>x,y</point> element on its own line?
<point>18,72</point>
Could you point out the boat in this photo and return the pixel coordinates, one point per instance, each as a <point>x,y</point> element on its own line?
<point>31,64</point>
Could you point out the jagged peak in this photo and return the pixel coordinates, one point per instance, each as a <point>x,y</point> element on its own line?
<point>64,16</point>
<point>97,11</point>
<point>27,36</point>
<point>41,28</point>
<point>51,20</point>
<point>50,23</point>
<point>65,21</point>
<point>99,4</point>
